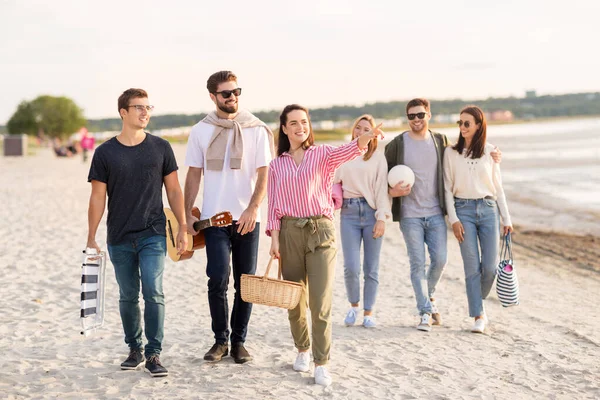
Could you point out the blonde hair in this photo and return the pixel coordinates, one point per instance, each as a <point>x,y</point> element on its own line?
<point>373,143</point>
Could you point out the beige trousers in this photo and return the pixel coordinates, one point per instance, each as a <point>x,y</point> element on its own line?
<point>308,254</point>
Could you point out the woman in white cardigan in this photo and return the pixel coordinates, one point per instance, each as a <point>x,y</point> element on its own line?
<point>366,205</point>
<point>474,198</point>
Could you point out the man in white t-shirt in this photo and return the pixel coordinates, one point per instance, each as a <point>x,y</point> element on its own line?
<point>232,149</point>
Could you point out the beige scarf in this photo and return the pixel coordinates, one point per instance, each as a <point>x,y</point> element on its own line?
<point>215,154</point>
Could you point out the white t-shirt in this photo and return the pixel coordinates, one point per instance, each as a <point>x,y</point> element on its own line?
<point>228,189</point>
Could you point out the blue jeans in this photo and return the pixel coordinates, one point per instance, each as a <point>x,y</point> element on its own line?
<point>357,222</point>
<point>142,260</point>
<point>480,220</point>
<point>418,232</point>
<point>221,243</point>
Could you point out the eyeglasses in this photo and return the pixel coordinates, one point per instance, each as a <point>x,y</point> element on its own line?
<point>227,93</point>
<point>141,107</point>
<point>421,115</point>
<point>467,124</point>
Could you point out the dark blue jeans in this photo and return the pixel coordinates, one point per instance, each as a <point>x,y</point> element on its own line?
<point>134,261</point>
<point>220,244</point>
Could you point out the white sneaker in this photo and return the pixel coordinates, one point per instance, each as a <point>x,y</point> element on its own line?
<point>351,316</point>
<point>302,363</point>
<point>322,376</point>
<point>425,324</point>
<point>479,326</point>
<point>369,322</point>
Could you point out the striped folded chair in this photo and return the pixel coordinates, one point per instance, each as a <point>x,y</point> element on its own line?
<point>507,284</point>
<point>92,291</point>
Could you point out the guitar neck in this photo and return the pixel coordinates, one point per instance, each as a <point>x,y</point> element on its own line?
<point>199,225</point>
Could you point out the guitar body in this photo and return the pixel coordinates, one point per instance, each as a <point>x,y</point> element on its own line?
<point>195,242</point>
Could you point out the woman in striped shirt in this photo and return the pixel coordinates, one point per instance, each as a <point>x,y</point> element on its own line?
<point>302,233</point>
<point>365,208</point>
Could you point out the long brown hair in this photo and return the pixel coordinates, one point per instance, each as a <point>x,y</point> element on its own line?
<point>373,143</point>
<point>477,145</point>
<point>283,142</point>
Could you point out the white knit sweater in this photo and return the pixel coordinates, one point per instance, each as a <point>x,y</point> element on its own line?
<point>469,178</point>
<point>367,179</point>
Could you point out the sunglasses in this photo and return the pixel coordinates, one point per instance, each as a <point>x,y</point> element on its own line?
<point>227,93</point>
<point>467,124</point>
<point>420,115</point>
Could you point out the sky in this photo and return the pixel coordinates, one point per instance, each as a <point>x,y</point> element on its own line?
<point>316,53</point>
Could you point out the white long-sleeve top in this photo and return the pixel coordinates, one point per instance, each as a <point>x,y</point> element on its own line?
<point>468,178</point>
<point>367,179</point>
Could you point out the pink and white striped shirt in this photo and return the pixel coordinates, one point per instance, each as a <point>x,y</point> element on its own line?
<point>305,190</point>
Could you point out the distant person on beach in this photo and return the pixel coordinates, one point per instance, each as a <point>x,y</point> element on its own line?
<point>61,150</point>
<point>232,149</point>
<point>131,169</point>
<point>366,206</point>
<point>87,142</point>
<point>474,197</point>
<point>300,223</point>
<point>420,208</point>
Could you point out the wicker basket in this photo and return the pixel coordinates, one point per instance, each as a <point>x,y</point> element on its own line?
<point>269,291</point>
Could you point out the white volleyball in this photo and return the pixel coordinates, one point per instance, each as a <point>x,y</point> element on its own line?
<point>401,173</point>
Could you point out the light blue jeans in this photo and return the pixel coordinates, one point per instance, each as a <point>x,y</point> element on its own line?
<point>357,222</point>
<point>480,220</point>
<point>142,260</point>
<point>418,232</point>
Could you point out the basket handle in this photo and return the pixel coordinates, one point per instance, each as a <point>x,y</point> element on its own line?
<point>269,268</point>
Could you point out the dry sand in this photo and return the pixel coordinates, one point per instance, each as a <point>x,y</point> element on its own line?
<point>548,347</point>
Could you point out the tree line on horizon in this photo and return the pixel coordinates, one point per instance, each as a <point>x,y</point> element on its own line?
<point>528,107</point>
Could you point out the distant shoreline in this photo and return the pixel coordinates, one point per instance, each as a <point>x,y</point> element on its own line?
<point>337,134</point>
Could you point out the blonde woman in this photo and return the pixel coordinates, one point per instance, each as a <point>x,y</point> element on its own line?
<point>366,206</point>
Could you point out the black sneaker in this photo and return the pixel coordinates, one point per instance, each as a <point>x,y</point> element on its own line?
<point>155,368</point>
<point>216,352</point>
<point>239,353</point>
<point>135,359</point>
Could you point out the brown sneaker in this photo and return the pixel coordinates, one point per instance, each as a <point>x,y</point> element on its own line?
<point>216,352</point>
<point>435,315</point>
<point>239,353</point>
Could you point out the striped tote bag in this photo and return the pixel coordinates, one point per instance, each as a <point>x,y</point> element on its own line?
<point>507,284</point>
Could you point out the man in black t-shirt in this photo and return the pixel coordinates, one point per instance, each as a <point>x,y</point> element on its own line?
<point>131,169</point>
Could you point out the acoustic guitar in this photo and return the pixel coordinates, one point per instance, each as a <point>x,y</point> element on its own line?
<point>195,242</point>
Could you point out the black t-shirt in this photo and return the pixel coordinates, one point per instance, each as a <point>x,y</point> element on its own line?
<point>134,179</point>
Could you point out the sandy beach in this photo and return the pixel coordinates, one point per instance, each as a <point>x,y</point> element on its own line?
<point>546,348</point>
